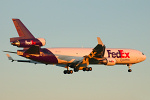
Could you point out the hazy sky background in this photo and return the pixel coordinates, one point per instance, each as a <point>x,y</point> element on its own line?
<point>76,23</point>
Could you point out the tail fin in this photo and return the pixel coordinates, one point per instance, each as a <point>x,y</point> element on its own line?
<point>23,32</point>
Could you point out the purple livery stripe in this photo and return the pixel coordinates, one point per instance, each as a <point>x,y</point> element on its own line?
<point>46,57</point>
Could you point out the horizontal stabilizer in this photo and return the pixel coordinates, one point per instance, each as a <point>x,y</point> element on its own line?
<point>9,57</point>
<point>10,52</point>
<point>27,61</point>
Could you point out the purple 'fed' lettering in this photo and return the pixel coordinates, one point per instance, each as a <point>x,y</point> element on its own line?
<point>119,54</point>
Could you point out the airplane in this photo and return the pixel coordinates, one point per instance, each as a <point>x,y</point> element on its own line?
<point>75,58</point>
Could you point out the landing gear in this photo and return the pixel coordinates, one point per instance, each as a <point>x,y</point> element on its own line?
<point>129,66</point>
<point>68,71</point>
<point>90,68</point>
<point>76,69</point>
<point>87,69</point>
<point>129,70</point>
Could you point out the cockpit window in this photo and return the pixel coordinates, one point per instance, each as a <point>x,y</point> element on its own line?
<point>142,53</point>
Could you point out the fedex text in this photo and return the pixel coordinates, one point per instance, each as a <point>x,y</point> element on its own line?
<point>119,54</point>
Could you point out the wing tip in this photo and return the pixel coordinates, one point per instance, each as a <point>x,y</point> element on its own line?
<point>100,41</point>
<point>7,55</point>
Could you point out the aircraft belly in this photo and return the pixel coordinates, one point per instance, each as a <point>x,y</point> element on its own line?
<point>64,59</point>
<point>45,59</point>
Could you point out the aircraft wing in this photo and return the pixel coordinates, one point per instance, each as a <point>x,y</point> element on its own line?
<point>97,54</point>
<point>98,51</point>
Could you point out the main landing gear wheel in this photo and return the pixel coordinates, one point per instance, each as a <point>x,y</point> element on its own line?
<point>87,69</point>
<point>76,69</point>
<point>90,68</point>
<point>129,70</point>
<point>68,71</point>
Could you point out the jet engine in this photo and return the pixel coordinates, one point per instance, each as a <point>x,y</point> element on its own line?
<point>29,42</point>
<point>109,61</point>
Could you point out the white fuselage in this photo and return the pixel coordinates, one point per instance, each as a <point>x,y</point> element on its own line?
<point>122,56</point>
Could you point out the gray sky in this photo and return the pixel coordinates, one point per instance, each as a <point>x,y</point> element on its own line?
<point>76,23</point>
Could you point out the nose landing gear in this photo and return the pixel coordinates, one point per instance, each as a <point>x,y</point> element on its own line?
<point>129,66</point>
<point>129,70</point>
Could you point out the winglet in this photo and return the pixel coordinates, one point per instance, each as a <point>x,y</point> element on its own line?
<point>100,41</point>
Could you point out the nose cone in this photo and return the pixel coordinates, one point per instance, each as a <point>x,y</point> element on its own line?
<point>144,57</point>
<point>141,57</point>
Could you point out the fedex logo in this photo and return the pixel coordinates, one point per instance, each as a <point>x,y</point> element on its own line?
<point>111,61</point>
<point>30,43</point>
<point>119,54</point>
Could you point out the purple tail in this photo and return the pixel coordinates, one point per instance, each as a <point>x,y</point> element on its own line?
<point>23,32</point>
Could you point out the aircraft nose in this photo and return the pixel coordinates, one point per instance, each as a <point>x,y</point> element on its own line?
<point>144,57</point>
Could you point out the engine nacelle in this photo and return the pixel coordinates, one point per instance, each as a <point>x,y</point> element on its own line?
<point>109,61</point>
<point>29,42</point>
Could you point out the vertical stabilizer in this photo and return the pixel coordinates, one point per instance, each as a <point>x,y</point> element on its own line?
<point>23,32</point>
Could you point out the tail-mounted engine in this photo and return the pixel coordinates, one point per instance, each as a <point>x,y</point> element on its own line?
<point>29,42</point>
<point>109,61</point>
